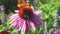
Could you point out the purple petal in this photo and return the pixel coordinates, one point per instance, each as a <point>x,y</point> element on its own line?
<point>36,19</point>
<point>27,26</point>
<point>57,32</point>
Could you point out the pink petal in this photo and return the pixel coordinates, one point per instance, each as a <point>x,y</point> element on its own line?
<point>32,25</point>
<point>13,16</point>
<point>20,24</point>
<point>16,26</point>
<point>13,24</point>
<point>36,12</point>
<point>23,27</point>
<point>14,20</point>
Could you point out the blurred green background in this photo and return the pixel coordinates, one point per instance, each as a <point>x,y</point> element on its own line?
<point>50,12</point>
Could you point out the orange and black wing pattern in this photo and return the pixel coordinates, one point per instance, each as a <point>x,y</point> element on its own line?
<point>21,3</point>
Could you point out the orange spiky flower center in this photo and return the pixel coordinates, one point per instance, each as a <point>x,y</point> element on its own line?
<point>26,12</point>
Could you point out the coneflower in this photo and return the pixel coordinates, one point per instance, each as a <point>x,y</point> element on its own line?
<point>26,19</point>
<point>5,32</point>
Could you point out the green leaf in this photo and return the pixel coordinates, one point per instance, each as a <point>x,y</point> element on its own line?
<point>14,31</point>
<point>2,28</point>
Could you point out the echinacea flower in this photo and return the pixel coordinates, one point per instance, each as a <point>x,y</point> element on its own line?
<point>57,32</point>
<point>26,19</point>
<point>5,32</point>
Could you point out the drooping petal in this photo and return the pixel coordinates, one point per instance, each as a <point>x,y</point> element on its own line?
<point>36,19</point>
<point>32,25</point>
<point>13,16</point>
<point>16,25</point>
<point>23,27</point>
<point>14,20</point>
<point>21,24</point>
<point>36,12</point>
<point>13,24</point>
<point>27,27</point>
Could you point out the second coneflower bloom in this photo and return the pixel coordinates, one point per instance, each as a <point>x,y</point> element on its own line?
<point>26,19</point>
<point>5,32</point>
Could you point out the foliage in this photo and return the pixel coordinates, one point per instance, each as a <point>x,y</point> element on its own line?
<point>49,10</point>
<point>47,7</point>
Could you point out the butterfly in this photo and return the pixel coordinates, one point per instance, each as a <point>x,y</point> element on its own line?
<point>21,3</point>
<point>25,11</point>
